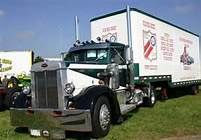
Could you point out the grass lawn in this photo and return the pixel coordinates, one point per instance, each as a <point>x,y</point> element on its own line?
<point>174,117</point>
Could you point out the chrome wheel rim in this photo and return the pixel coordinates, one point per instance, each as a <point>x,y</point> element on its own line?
<point>104,117</point>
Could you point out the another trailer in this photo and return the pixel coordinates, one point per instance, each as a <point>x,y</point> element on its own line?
<point>100,81</point>
<point>15,63</point>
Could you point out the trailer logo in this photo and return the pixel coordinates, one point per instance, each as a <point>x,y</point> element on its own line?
<point>112,37</point>
<point>150,45</point>
<point>185,58</point>
<point>5,65</point>
<point>109,33</point>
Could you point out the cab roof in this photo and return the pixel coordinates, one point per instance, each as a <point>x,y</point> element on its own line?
<point>101,45</point>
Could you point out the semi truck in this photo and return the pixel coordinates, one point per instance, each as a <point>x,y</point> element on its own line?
<point>135,55</point>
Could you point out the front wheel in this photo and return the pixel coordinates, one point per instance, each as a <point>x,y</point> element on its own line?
<point>101,117</point>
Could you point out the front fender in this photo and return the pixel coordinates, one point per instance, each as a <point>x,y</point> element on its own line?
<point>88,97</point>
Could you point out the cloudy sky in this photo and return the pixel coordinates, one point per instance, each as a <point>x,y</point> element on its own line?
<point>47,26</point>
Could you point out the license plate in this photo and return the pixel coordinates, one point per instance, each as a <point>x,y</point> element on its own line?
<point>35,132</point>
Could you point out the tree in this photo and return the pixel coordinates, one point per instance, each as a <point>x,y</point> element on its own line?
<point>38,59</point>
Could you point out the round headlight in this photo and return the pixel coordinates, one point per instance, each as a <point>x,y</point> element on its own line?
<point>69,88</point>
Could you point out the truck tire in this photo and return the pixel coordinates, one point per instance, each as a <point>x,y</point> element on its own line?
<point>101,117</point>
<point>194,90</point>
<point>9,98</point>
<point>150,101</point>
<point>20,100</point>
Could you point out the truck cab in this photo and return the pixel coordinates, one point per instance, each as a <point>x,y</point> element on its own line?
<point>86,92</point>
<point>97,53</point>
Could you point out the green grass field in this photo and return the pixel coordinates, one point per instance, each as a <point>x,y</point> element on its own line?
<point>174,117</point>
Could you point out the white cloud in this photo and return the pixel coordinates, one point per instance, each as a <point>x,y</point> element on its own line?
<point>2,13</point>
<point>185,9</point>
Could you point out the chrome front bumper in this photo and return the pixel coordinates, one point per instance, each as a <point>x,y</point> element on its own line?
<point>49,119</point>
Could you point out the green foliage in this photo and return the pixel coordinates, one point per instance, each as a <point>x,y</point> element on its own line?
<point>38,59</point>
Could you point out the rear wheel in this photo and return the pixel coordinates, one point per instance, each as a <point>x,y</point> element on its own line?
<point>151,100</point>
<point>20,100</point>
<point>194,90</point>
<point>9,98</point>
<point>101,117</point>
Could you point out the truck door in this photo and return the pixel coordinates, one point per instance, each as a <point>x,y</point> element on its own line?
<point>118,57</point>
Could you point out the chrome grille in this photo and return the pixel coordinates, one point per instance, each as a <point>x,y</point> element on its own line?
<point>46,92</point>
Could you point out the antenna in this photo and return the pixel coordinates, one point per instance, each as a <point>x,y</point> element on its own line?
<point>76,28</point>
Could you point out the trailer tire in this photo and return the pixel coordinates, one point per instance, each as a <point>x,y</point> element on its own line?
<point>194,90</point>
<point>101,117</point>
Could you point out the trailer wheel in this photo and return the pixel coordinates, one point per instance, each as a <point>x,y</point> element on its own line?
<point>194,90</point>
<point>151,100</point>
<point>101,117</point>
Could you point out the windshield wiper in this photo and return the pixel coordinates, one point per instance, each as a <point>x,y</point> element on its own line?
<point>100,57</point>
<point>119,55</point>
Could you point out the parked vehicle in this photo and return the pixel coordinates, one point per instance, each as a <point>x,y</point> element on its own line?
<point>100,81</point>
<point>9,94</point>
<point>15,66</point>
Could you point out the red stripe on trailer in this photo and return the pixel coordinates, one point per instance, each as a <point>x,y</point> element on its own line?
<point>146,46</point>
<point>148,52</point>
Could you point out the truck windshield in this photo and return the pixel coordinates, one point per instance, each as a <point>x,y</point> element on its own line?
<point>117,55</point>
<point>88,56</point>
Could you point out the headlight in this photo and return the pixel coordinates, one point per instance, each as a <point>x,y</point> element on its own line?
<point>26,90</point>
<point>69,88</point>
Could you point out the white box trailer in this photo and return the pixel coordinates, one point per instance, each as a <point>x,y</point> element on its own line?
<point>160,49</point>
<point>15,63</point>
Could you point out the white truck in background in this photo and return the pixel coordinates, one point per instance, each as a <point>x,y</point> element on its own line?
<point>98,82</point>
<point>15,63</point>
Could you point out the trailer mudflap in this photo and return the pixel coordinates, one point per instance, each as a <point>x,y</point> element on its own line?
<point>51,119</point>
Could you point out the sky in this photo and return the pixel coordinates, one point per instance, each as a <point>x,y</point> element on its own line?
<point>47,26</point>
